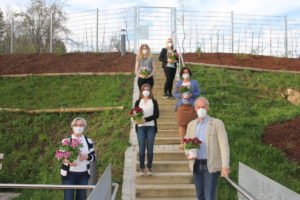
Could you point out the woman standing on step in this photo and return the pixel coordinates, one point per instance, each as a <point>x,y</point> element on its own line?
<point>78,172</point>
<point>186,91</point>
<point>144,66</point>
<point>146,131</point>
<point>168,57</point>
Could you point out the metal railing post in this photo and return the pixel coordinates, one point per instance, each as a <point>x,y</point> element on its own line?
<point>97,31</point>
<point>232,32</point>
<point>285,36</point>
<point>12,35</point>
<point>135,28</point>
<point>51,33</point>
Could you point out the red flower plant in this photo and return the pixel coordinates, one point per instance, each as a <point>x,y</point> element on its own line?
<point>191,143</point>
<point>137,114</point>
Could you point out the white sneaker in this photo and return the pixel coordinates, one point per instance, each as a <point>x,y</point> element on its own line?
<point>143,172</point>
<point>148,172</point>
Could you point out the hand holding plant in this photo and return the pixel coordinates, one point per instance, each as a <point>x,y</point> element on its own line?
<point>144,72</point>
<point>137,114</point>
<point>69,150</point>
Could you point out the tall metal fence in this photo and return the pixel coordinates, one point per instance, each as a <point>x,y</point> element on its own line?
<point>196,31</point>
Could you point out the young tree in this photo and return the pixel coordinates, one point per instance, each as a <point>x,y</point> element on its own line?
<point>37,22</point>
<point>2,25</point>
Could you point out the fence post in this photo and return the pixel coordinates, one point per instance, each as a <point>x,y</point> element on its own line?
<point>136,21</point>
<point>1,158</point>
<point>51,32</point>
<point>285,36</point>
<point>12,35</point>
<point>174,31</point>
<point>97,31</point>
<point>123,42</point>
<point>232,32</point>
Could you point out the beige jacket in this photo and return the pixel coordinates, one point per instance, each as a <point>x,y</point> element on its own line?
<point>217,146</point>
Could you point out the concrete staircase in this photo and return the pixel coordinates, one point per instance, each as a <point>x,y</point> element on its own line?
<point>171,178</point>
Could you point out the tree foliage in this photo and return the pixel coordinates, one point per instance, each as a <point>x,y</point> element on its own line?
<point>37,23</point>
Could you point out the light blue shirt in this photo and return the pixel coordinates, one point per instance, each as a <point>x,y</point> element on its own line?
<point>201,135</point>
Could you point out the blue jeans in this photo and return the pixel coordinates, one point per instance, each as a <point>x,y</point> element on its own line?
<point>206,183</point>
<point>146,137</point>
<point>75,178</point>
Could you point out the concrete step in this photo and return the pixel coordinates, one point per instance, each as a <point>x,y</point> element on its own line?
<point>167,112</point>
<point>167,125</point>
<point>167,140</point>
<point>161,198</point>
<point>167,133</point>
<point>167,119</point>
<point>169,166</point>
<point>168,156</point>
<point>166,178</point>
<point>166,191</point>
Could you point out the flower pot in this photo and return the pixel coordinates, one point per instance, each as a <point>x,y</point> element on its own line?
<point>185,94</point>
<point>192,153</point>
<point>138,121</point>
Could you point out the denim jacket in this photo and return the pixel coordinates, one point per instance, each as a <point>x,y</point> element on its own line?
<point>195,90</point>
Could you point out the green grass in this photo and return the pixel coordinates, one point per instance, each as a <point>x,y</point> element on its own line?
<point>29,141</point>
<point>248,102</point>
<point>70,91</point>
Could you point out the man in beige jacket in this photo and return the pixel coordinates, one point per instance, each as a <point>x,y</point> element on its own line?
<point>213,155</point>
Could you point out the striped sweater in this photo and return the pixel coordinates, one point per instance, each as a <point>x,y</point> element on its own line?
<point>65,168</point>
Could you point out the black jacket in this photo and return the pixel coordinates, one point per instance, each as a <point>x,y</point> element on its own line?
<point>152,117</point>
<point>163,57</point>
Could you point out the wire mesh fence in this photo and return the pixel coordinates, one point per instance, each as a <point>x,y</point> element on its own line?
<point>196,31</point>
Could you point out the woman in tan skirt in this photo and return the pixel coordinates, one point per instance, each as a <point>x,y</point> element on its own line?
<point>186,91</point>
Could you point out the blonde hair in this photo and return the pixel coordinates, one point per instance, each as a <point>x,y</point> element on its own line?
<point>168,42</point>
<point>140,55</point>
<point>81,119</point>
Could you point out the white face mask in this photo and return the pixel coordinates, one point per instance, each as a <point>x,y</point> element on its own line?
<point>145,51</point>
<point>201,113</point>
<point>146,93</point>
<point>170,44</point>
<point>185,76</point>
<point>78,129</point>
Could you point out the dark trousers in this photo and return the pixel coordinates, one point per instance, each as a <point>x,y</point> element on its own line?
<point>170,75</point>
<point>142,81</point>
<point>206,183</point>
<point>75,178</point>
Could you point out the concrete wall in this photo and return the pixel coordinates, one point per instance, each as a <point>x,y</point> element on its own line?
<point>262,187</point>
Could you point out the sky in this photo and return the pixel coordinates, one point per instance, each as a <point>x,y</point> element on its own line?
<point>291,8</point>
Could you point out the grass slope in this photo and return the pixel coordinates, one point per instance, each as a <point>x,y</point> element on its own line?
<point>248,102</point>
<point>29,141</point>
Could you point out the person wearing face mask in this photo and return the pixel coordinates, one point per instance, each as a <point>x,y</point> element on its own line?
<point>78,172</point>
<point>147,130</point>
<point>169,66</point>
<point>185,101</point>
<point>144,62</point>
<point>213,156</point>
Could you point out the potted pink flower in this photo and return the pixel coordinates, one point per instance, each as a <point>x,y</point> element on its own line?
<point>69,150</point>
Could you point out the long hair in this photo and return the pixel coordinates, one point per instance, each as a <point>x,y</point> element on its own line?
<point>150,90</point>
<point>169,40</point>
<point>140,55</point>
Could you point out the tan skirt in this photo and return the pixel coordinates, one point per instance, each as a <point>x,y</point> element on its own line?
<point>185,113</point>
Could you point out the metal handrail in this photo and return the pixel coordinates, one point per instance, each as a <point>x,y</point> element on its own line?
<point>115,191</point>
<point>45,186</point>
<point>241,190</point>
<point>57,187</point>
